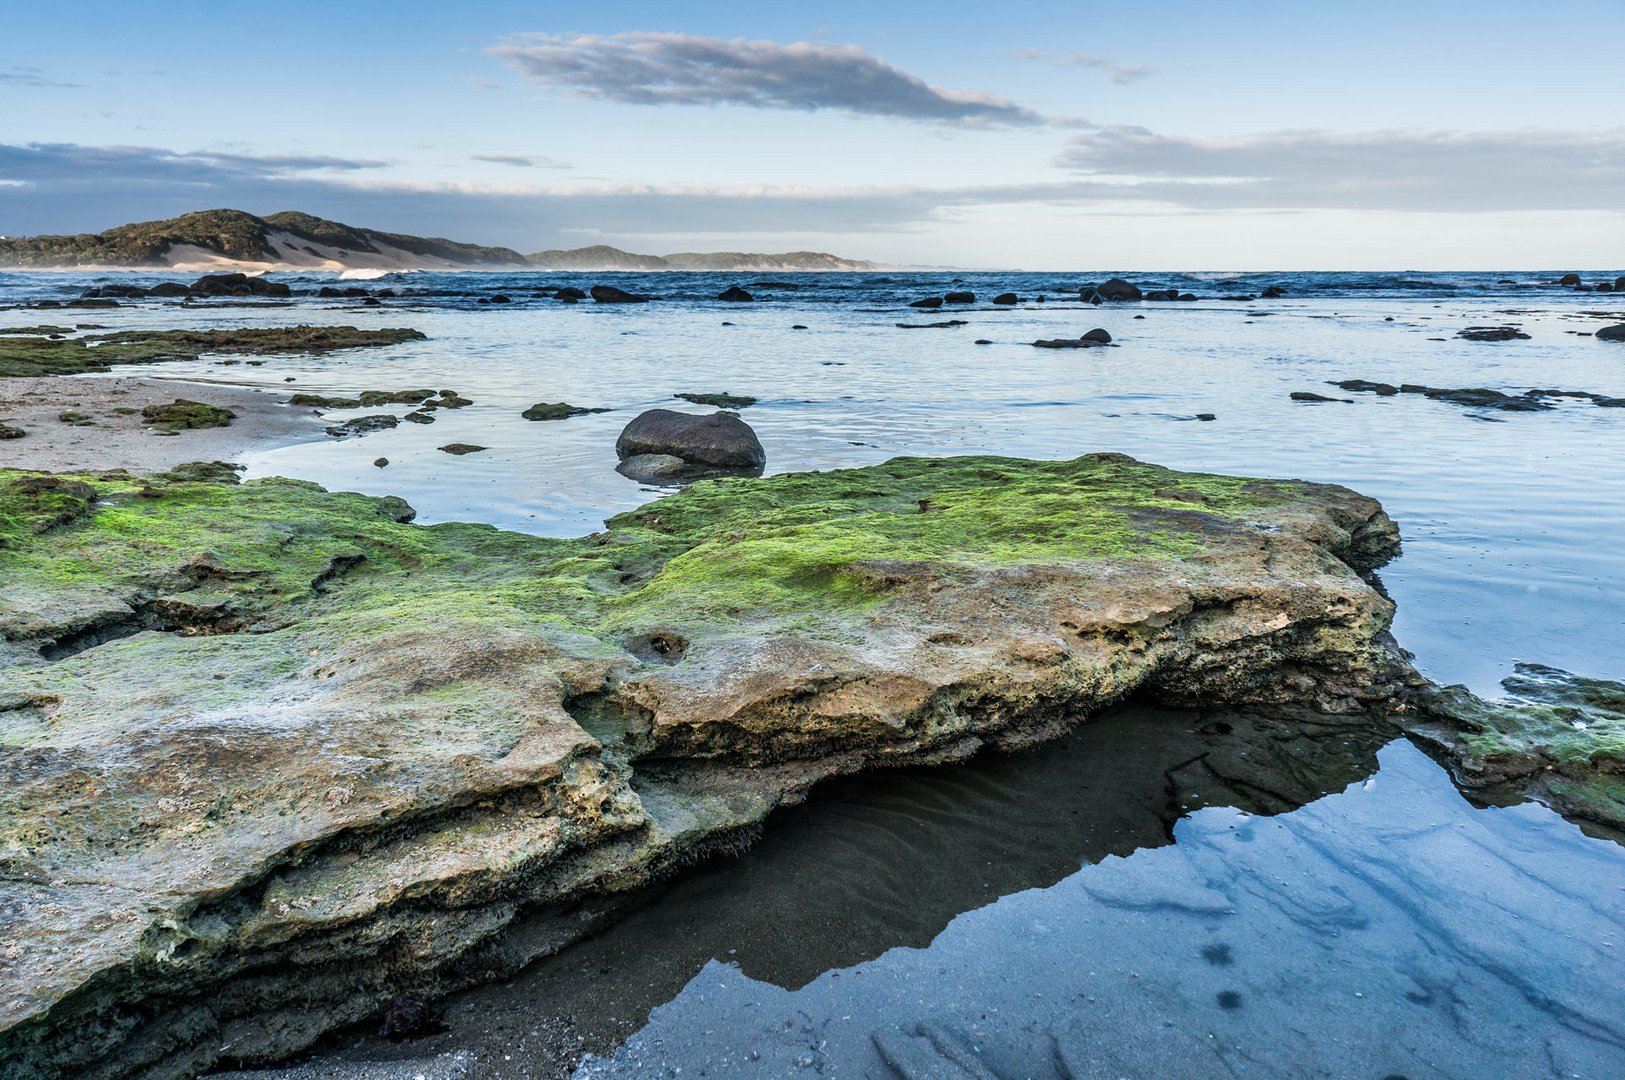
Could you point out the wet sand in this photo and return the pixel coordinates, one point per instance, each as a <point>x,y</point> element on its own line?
<point>115,438</point>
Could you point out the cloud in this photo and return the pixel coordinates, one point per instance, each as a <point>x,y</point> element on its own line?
<point>33,76</point>
<point>1121,74</point>
<point>1536,169</point>
<point>683,69</point>
<point>520,161</point>
<point>73,164</point>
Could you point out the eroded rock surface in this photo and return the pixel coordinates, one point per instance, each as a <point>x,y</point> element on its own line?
<point>272,756</point>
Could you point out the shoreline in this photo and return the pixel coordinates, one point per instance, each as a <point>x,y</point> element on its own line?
<point>117,439</point>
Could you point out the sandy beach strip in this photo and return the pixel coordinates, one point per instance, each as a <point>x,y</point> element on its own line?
<point>115,437</point>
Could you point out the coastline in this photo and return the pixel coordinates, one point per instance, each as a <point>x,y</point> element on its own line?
<point>116,439</point>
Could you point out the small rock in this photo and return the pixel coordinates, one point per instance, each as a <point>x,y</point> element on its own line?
<point>928,302</point>
<point>1492,333</point>
<point>720,401</point>
<point>1006,299</point>
<point>735,295</point>
<point>558,410</point>
<point>363,425</point>
<point>380,462</point>
<point>1206,416</point>
<point>460,448</point>
<point>960,298</point>
<point>1569,279</point>
<point>1305,395</point>
<point>9,432</point>
<point>982,341</point>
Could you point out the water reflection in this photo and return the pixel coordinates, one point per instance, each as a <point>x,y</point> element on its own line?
<point>888,860</point>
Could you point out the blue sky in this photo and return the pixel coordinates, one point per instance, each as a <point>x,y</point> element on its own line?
<point>1243,135</point>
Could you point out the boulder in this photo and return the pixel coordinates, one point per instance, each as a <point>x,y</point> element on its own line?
<point>609,294</point>
<point>168,288</point>
<point>733,294</point>
<point>1099,336</point>
<point>720,440</point>
<point>1274,292</point>
<point>960,298</point>
<point>1569,279</point>
<point>1117,289</point>
<point>1612,333</point>
<point>1492,333</point>
<point>1089,295</point>
<point>1005,299</point>
<point>237,284</point>
<point>570,294</point>
<point>928,302</point>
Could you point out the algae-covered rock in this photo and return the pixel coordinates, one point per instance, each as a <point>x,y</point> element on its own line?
<point>270,757</point>
<point>556,410</point>
<point>99,352</point>
<point>1555,736</point>
<point>182,414</point>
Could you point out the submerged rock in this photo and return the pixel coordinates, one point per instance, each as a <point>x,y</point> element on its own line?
<point>720,440</point>
<point>609,294</point>
<point>1612,333</point>
<point>557,410</point>
<point>733,294</point>
<point>720,401</point>
<point>1006,299</point>
<point>420,732</point>
<point>1492,333</point>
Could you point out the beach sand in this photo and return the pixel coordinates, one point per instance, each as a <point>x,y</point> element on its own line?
<point>115,437</point>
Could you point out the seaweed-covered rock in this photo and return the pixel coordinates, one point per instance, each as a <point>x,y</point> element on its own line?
<point>720,440</point>
<point>182,414</point>
<point>273,757</point>
<point>99,352</point>
<point>1492,333</point>
<point>720,400</point>
<point>1556,736</point>
<point>9,431</point>
<point>461,449</point>
<point>364,425</point>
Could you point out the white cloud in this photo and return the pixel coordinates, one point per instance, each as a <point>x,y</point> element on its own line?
<point>645,68</point>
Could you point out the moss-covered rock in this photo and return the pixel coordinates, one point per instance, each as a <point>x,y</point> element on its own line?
<point>557,410</point>
<point>181,414</point>
<point>1556,737</point>
<point>25,355</point>
<point>270,756</point>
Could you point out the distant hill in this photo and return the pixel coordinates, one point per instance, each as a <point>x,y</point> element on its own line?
<point>603,257</point>
<point>214,238</point>
<point>209,239</point>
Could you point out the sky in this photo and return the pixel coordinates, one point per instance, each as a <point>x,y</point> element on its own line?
<point>1247,135</point>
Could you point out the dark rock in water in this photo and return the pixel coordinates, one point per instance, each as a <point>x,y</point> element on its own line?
<point>1139,316</point>
<point>183,414</point>
<point>721,440</point>
<point>798,326</point>
<point>371,399</point>
<point>363,425</point>
<point>719,401</point>
<point>1088,296</point>
<point>380,462</point>
<point>928,302</point>
<point>168,288</point>
<point>1206,416</point>
<point>122,292</point>
<point>1186,298</point>
<point>1605,286</point>
<point>960,298</point>
<point>1481,398</point>
<point>1098,335</point>
<point>408,1018</point>
<point>501,298</point>
<point>1612,333</point>
<point>1492,333</point>
<point>1305,395</point>
<point>1085,342</point>
<point>1242,298</point>
<point>1619,284</point>
<point>931,325</point>
<point>321,401</point>
<point>373,301</point>
<point>420,416</point>
<point>1569,279</point>
<point>609,294</point>
<point>1006,299</point>
<point>458,449</point>
<point>570,293</point>
<point>9,432</point>
<point>1274,292</point>
<point>735,295</point>
<point>662,470</point>
<point>237,285</point>
<point>94,302</point>
<point>558,410</point>
<point>1118,289</point>
<point>982,341</point>
<point>1162,294</point>
<point>1365,385</point>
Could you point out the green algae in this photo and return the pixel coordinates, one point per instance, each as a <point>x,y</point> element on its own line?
<point>1557,736</point>
<point>721,550</point>
<point>32,355</point>
<point>182,414</point>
